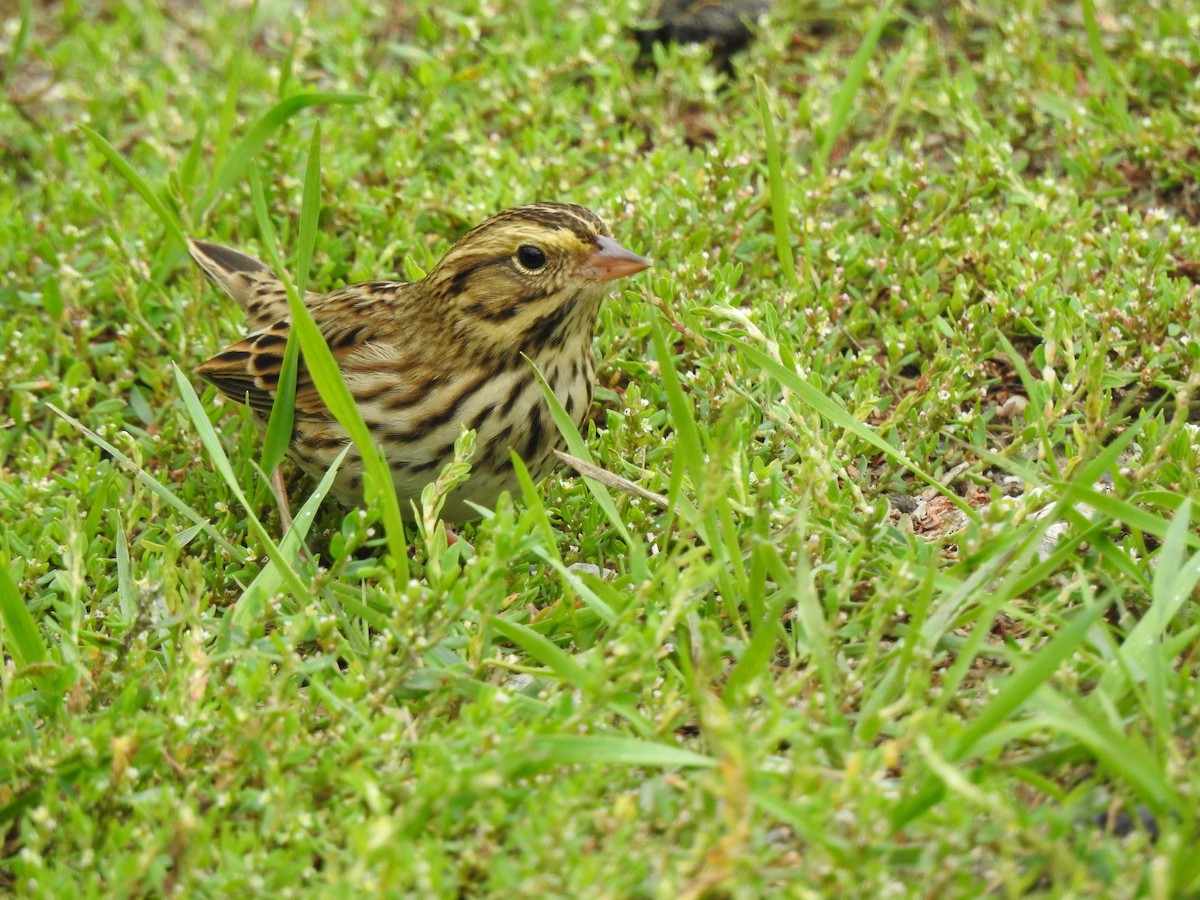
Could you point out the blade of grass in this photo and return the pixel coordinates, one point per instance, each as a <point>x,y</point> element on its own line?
<point>813,626</point>
<point>542,650</point>
<point>761,649</point>
<point>715,522</point>
<point>578,447</point>
<point>1066,549</point>
<point>1133,516</point>
<point>1100,60</point>
<point>21,636</point>
<point>1011,558</point>
<point>535,507</point>
<point>126,592</point>
<point>1095,468</point>
<point>690,446</point>
<point>842,104</point>
<point>191,162</point>
<point>466,686</point>
<point>278,435</point>
<point>1036,391</point>
<point>153,485</point>
<point>585,593</point>
<point>268,581</point>
<point>310,212</point>
<point>807,827</point>
<point>138,183</point>
<point>227,114</point>
<point>814,397</point>
<point>241,157</point>
<point>1122,752</point>
<point>212,444</point>
<point>1012,693</point>
<point>1079,489</point>
<point>577,749</point>
<point>13,65</point>
<point>780,207</point>
<point>337,397</point>
<point>1175,579</point>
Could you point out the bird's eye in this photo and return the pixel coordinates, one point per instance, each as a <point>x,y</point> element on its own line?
<point>531,257</point>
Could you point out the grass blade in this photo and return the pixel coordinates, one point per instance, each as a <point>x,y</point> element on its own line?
<point>212,444</point>
<point>278,435</point>
<point>1023,682</point>
<point>1123,753</point>
<point>337,397</point>
<point>239,160</point>
<point>758,652</point>
<point>836,414</point>
<point>126,590</point>
<point>573,749</point>
<point>578,447</point>
<point>585,593</point>
<point>279,429</point>
<point>21,637</point>
<point>1101,62</point>
<point>310,211</point>
<point>542,650</point>
<point>780,207</point>
<point>268,581</point>
<point>1175,579</point>
<point>843,101</point>
<point>690,449</point>
<point>138,183</point>
<point>715,522</point>
<point>1133,516</point>
<point>152,484</point>
<point>1014,692</point>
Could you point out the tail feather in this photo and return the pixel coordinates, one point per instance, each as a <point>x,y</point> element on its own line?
<point>247,280</point>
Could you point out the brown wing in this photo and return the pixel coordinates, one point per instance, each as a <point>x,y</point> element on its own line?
<point>248,371</point>
<point>351,323</point>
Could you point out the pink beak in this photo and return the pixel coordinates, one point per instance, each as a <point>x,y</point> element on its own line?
<point>610,260</point>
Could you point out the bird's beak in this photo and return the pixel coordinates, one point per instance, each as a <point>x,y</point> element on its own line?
<point>610,260</point>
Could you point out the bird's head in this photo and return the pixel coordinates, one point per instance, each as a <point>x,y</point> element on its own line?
<point>529,275</point>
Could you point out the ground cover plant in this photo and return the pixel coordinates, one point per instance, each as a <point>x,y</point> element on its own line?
<point>904,605</point>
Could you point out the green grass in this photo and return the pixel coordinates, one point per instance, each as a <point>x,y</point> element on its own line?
<point>915,371</point>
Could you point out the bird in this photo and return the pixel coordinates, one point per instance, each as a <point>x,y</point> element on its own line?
<point>426,359</point>
<point>726,26</point>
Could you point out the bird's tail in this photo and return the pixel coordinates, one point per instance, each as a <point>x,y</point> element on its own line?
<point>247,280</point>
